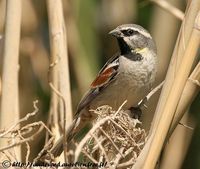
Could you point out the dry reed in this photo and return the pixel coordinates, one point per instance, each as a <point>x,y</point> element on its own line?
<point>168,109</point>
<point>59,68</point>
<point>9,99</point>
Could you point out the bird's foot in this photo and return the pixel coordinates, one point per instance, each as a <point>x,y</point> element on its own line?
<point>136,112</point>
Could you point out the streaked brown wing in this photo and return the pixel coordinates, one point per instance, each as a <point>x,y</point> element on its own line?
<point>103,79</point>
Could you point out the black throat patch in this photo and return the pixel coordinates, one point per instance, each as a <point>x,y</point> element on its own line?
<point>124,48</point>
<point>127,52</point>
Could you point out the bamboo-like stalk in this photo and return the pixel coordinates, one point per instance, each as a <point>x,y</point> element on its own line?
<point>9,100</point>
<point>59,56</point>
<point>0,85</point>
<point>173,97</point>
<point>53,78</point>
<point>160,21</point>
<point>182,42</point>
<point>190,91</point>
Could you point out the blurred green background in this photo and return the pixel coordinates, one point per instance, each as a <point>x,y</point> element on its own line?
<point>88,23</point>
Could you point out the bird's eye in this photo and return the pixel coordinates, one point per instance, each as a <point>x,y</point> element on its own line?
<point>130,32</point>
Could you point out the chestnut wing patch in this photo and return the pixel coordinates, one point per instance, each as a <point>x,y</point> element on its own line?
<point>105,76</point>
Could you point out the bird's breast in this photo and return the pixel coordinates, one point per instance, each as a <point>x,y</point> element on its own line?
<point>132,83</point>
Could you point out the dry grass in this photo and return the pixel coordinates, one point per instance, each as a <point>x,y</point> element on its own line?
<point>115,138</point>
<point>16,136</point>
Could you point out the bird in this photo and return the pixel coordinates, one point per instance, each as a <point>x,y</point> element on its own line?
<point>128,75</point>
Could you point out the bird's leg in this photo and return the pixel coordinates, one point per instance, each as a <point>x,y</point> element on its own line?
<point>136,112</point>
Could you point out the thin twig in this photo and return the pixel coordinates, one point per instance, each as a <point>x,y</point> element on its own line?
<point>195,81</point>
<point>108,137</point>
<point>128,151</point>
<point>87,136</point>
<point>64,122</point>
<point>118,157</point>
<point>89,156</point>
<point>96,146</point>
<point>169,8</point>
<point>27,147</point>
<point>94,128</point>
<point>44,150</point>
<point>103,151</point>
<point>186,126</point>
<point>149,95</point>
<point>120,108</point>
<point>122,130</point>
<point>126,164</point>
<point>23,119</point>
<point>22,141</point>
<point>28,128</point>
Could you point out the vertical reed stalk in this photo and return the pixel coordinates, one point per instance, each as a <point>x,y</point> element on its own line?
<point>190,91</point>
<point>174,95</point>
<point>147,159</point>
<point>62,110</point>
<point>9,100</point>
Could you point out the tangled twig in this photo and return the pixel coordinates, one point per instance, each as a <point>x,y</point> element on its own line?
<point>115,138</point>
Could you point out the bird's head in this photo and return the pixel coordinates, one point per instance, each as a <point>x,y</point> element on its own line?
<point>132,37</point>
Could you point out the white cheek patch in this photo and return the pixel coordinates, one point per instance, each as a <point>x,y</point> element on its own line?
<point>128,39</point>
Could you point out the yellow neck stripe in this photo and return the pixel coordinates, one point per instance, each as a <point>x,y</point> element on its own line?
<point>140,50</point>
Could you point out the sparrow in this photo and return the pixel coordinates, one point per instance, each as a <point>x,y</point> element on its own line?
<point>127,75</point>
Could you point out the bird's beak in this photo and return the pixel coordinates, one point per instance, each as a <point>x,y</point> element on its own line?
<point>116,33</point>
